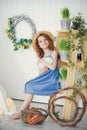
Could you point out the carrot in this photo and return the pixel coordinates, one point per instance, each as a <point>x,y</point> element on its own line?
<point>32,119</point>
<point>39,119</point>
<point>28,120</point>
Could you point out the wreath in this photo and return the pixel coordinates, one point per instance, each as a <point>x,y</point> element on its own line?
<point>23,42</point>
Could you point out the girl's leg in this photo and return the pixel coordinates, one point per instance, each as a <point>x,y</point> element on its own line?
<point>25,105</point>
<point>27,100</point>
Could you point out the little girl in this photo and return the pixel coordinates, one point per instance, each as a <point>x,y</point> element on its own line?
<point>47,82</point>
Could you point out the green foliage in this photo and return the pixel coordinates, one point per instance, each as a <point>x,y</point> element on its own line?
<point>79,83</point>
<point>65,13</point>
<point>64,45</point>
<point>71,64</point>
<point>78,23</point>
<point>63,73</point>
<point>56,114</point>
<point>74,94</point>
<point>84,70</point>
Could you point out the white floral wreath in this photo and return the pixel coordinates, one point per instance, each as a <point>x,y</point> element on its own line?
<point>23,42</point>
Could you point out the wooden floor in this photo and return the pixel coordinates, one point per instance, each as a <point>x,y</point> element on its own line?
<point>49,124</point>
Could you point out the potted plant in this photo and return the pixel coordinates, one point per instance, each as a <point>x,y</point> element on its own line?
<point>63,74</point>
<point>65,22</point>
<point>64,46</point>
<point>78,22</point>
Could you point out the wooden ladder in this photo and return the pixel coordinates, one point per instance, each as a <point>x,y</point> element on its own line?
<point>67,108</point>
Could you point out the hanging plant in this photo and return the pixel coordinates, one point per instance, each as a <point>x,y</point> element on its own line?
<point>11,32</point>
<point>84,72</point>
<point>79,23</point>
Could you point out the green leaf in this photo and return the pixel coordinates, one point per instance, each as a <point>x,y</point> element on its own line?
<point>56,114</point>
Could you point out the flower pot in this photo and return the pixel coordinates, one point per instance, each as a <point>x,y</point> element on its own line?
<point>64,56</point>
<point>65,24</point>
<point>63,84</point>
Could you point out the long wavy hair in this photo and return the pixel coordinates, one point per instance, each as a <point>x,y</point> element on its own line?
<point>39,50</point>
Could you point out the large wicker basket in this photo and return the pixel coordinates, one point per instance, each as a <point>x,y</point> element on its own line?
<point>34,116</point>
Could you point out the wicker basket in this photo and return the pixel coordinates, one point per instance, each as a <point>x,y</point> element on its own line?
<point>34,116</point>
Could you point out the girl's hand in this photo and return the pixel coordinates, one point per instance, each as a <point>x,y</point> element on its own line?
<point>53,64</point>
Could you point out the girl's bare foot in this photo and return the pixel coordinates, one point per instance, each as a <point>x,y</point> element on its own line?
<point>15,116</point>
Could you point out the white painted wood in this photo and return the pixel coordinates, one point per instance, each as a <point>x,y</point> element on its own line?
<point>3,106</point>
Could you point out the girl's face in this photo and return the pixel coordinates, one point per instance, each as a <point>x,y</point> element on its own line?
<point>43,42</point>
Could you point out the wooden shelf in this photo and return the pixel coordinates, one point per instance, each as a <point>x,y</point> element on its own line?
<point>62,63</point>
<point>79,64</point>
<point>67,108</point>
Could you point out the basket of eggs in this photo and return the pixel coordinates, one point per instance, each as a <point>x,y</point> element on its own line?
<point>34,116</point>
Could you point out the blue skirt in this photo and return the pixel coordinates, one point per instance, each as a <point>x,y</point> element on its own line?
<point>45,84</point>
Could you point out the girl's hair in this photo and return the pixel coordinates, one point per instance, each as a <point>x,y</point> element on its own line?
<point>39,51</point>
